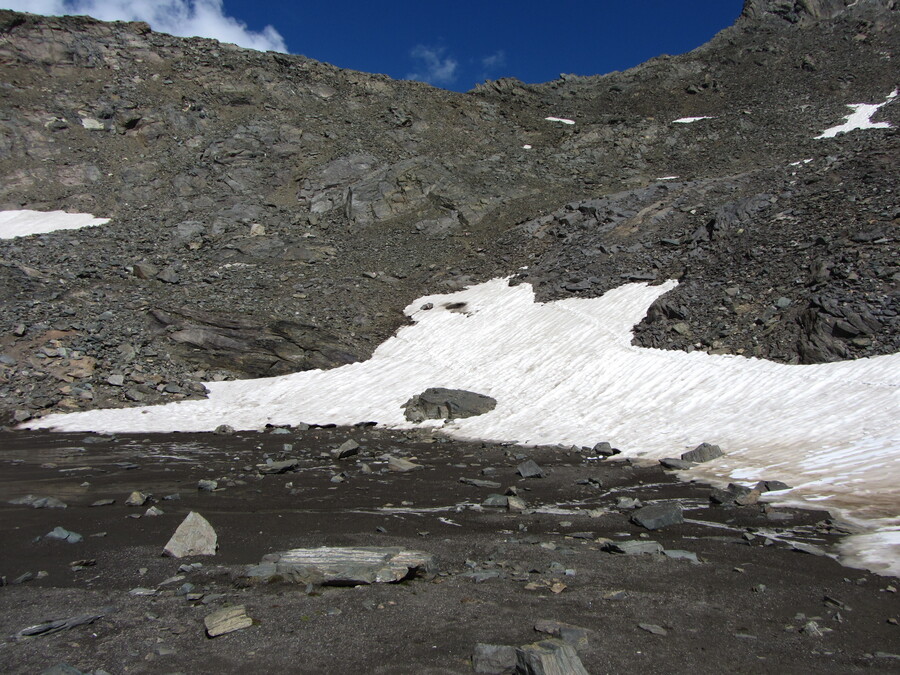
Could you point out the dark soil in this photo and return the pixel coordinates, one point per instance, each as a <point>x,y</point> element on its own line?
<point>746,607</point>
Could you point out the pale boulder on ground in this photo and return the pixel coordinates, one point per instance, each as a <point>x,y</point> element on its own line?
<point>227,620</point>
<point>195,536</point>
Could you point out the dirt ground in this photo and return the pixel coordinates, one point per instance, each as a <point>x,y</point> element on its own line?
<point>751,603</point>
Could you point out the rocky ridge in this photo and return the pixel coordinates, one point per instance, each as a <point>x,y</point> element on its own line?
<point>271,213</point>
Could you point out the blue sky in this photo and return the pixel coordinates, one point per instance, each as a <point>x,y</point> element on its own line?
<point>454,45</point>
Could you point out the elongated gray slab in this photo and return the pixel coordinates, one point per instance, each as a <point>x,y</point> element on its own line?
<point>339,566</point>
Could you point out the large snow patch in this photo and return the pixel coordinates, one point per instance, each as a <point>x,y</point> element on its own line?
<point>565,372</point>
<point>23,223</point>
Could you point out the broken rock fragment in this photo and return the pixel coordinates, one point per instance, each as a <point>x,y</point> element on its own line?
<point>195,536</point>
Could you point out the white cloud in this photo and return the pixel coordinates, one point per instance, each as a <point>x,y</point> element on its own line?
<point>495,60</point>
<point>437,68</point>
<point>186,18</point>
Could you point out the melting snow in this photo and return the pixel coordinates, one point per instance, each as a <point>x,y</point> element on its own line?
<point>667,178</point>
<point>22,223</point>
<point>559,119</point>
<point>860,118</point>
<point>689,120</point>
<point>526,147</point>
<point>565,372</point>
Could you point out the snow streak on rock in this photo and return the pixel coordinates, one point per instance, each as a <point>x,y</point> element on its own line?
<point>565,372</point>
<point>860,118</point>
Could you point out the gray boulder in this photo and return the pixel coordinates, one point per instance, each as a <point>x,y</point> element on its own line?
<point>439,403</point>
<point>655,516</point>
<point>702,453</point>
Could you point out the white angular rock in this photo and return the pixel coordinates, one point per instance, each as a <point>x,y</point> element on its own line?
<point>195,536</point>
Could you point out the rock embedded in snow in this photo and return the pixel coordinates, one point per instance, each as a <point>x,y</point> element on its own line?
<point>656,516</point>
<point>771,486</point>
<point>676,464</point>
<point>702,453</point>
<point>604,449</point>
<point>195,536</point>
<point>448,404</point>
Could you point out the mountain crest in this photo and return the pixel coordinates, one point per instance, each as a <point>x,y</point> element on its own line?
<point>805,11</point>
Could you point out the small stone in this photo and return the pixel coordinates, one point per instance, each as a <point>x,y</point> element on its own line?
<point>633,547</point>
<point>207,485</point>
<point>227,620</point>
<point>628,503</point>
<point>153,511</point>
<point>529,469</point>
<point>347,449</point>
<point>604,449</point>
<point>136,499</point>
<point>224,429</point>
<point>516,504</point>
<point>62,534</point>
<point>36,502</point>
<point>676,464</point>
<point>496,500</point>
<point>401,465</point>
<point>103,502</point>
<point>653,628</point>
<point>116,380</point>
<point>677,554</point>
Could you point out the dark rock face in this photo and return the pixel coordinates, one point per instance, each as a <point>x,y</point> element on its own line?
<point>271,213</point>
<point>447,404</point>
<point>800,11</point>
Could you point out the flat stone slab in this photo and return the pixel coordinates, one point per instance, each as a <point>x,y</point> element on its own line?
<point>339,566</point>
<point>227,620</point>
<point>633,547</point>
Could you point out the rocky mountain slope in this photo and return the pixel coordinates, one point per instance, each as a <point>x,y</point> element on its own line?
<point>271,213</point>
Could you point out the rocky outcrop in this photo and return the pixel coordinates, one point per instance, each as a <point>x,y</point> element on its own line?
<point>250,348</point>
<point>804,11</point>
